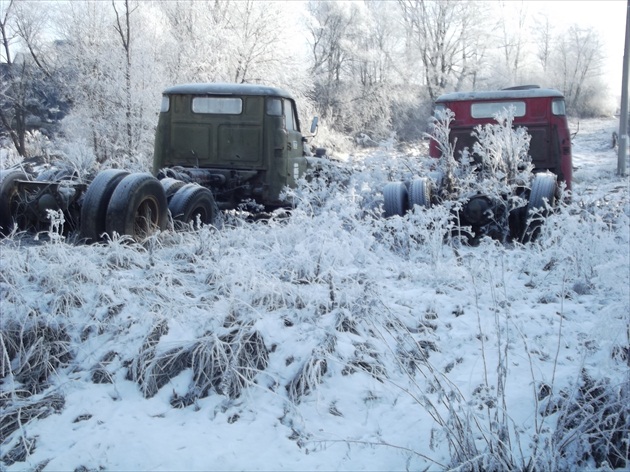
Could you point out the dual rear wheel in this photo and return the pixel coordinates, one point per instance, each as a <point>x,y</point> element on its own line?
<point>400,197</point>
<point>128,204</point>
<point>137,205</point>
<point>192,203</point>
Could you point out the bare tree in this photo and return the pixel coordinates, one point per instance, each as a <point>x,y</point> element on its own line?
<point>444,34</point>
<point>28,81</point>
<point>197,40</point>
<point>257,39</point>
<point>579,60</point>
<point>31,22</point>
<point>6,73</point>
<point>543,37</point>
<point>114,56</point>
<point>512,25</point>
<point>376,43</point>
<point>6,30</point>
<point>90,49</point>
<point>355,64</point>
<point>236,41</point>
<point>13,104</point>
<point>123,28</point>
<point>329,29</point>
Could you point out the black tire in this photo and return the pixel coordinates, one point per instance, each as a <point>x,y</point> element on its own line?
<point>541,198</point>
<point>171,186</point>
<point>95,202</point>
<point>396,199</point>
<point>543,189</point>
<point>137,208</point>
<point>192,201</point>
<point>420,193</point>
<point>9,200</point>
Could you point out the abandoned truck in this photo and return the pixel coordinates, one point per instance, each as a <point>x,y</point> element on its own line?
<point>542,113</point>
<point>216,145</point>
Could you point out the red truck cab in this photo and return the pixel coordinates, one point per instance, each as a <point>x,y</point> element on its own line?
<point>541,111</point>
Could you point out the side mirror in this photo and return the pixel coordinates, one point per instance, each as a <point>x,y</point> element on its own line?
<point>314,125</point>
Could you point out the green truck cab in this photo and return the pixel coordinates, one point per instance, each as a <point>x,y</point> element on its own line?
<point>241,141</point>
<point>216,146</point>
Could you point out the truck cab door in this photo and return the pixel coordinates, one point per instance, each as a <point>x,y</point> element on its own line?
<point>296,162</point>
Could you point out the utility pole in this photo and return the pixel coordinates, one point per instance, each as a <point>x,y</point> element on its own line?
<point>623,119</point>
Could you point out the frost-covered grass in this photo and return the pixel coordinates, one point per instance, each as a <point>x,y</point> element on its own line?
<point>328,340</point>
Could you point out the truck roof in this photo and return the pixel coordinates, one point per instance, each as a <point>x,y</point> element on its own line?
<point>499,94</point>
<point>226,89</point>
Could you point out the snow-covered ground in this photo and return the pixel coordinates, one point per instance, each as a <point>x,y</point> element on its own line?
<point>330,340</point>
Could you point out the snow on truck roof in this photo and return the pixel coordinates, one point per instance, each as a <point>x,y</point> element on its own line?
<point>499,95</point>
<point>226,89</point>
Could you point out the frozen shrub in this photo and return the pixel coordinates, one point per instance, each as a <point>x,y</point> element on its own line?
<point>309,377</point>
<point>9,157</point>
<point>593,426</point>
<point>503,150</point>
<point>145,368</point>
<point>17,411</point>
<point>32,351</point>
